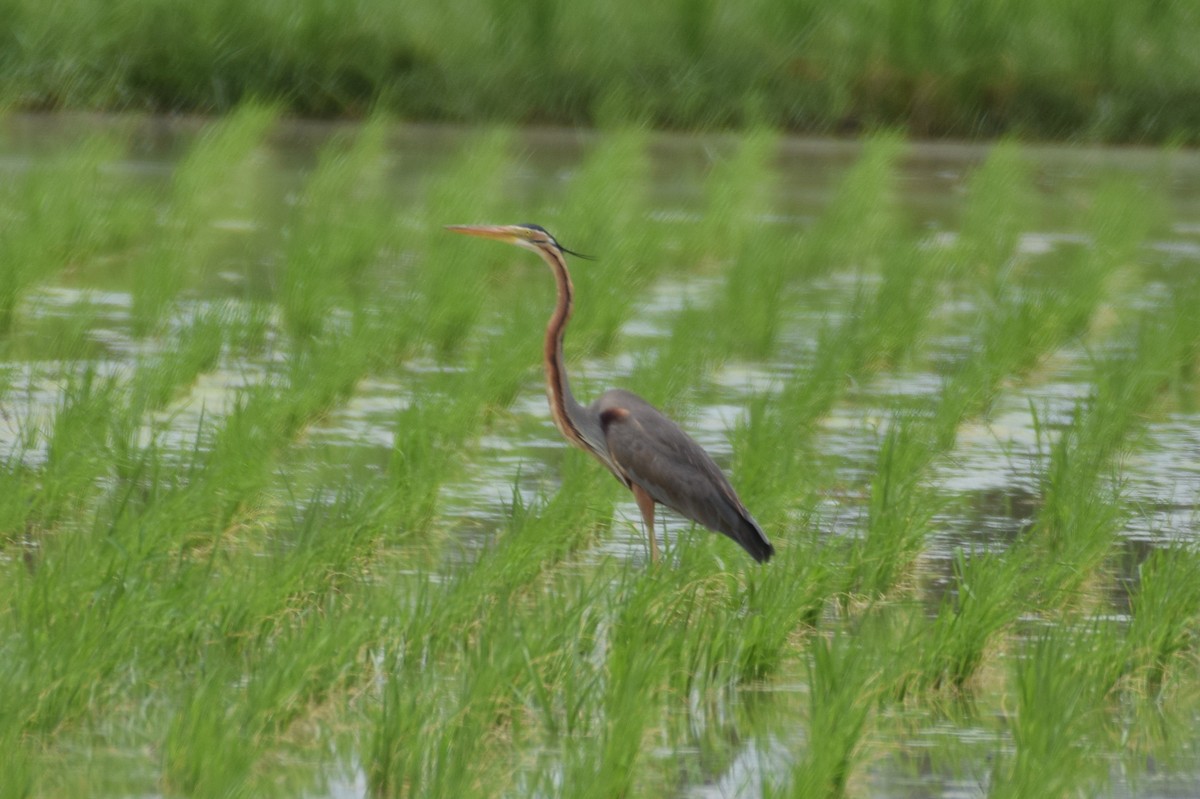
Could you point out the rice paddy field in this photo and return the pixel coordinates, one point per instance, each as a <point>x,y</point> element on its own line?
<point>283,512</point>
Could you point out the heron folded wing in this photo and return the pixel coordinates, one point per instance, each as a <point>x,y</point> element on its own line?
<point>658,455</point>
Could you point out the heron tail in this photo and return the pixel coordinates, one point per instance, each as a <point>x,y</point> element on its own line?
<point>752,539</point>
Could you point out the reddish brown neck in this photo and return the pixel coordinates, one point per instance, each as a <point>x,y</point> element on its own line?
<point>567,412</point>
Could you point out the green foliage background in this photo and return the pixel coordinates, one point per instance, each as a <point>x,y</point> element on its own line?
<point>1101,70</point>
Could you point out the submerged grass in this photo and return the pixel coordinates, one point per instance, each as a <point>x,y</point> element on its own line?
<point>191,577</point>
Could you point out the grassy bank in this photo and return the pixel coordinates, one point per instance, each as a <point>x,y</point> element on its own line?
<point>1066,69</point>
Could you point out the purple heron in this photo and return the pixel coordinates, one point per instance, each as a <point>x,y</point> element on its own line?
<point>646,451</point>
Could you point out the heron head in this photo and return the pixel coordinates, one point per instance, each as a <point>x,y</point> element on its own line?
<point>527,236</point>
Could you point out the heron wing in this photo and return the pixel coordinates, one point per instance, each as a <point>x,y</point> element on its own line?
<point>656,454</point>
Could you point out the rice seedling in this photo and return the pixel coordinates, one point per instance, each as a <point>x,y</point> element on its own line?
<point>757,280</point>
<point>860,221</point>
<point>451,297</point>
<point>338,231</point>
<point>1077,522</point>
<point>1165,607</point>
<point>737,192</point>
<point>848,349</point>
<point>984,601</point>
<point>160,376</point>
<point>607,200</point>
<point>844,687</point>
<point>61,212</point>
<point>777,605</point>
<point>1002,207</point>
<point>626,703</point>
<point>1060,686</point>
<point>900,512</point>
<point>76,446</point>
<point>215,182</point>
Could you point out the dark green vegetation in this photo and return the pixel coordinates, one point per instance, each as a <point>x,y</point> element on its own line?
<point>281,507</point>
<point>1099,70</point>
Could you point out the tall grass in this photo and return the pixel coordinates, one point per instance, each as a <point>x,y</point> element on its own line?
<point>1063,69</point>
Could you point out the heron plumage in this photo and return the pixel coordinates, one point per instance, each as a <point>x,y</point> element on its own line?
<point>645,450</point>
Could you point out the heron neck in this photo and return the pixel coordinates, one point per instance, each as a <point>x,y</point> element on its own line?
<point>566,410</point>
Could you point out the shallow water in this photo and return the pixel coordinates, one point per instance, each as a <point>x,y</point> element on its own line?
<point>989,478</point>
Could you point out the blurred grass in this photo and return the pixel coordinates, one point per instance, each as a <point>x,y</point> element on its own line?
<point>1068,69</point>
<point>60,214</point>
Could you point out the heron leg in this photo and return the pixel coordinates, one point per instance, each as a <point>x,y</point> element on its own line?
<point>645,504</point>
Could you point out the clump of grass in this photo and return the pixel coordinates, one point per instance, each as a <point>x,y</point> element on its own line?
<point>76,444</point>
<point>339,228</point>
<point>606,202</point>
<point>300,662</point>
<point>859,226</point>
<point>215,180</point>
<point>1076,524</point>
<point>737,193</point>
<point>1121,216</point>
<point>633,669</point>
<point>757,282</point>
<point>18,777</point>
<point>1061,683</point>
<point>894,324</point>
<point>160,376</point>
<point>843,688</point>
<point>450,285</point>
<point>1165,607</point>
<point>900,511</point>
<point>983,601</point>
<point>520,660</point>
<point>1018,327</point>
<point>780,603</point>
<point>61,212</point>
<point>780,424</point>
<point>1002,208</point>
<point>428,434</point>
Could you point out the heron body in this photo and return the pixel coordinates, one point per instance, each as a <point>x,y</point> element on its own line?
<point>650,454</point>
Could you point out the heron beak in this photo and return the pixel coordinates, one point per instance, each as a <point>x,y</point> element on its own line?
<point>506,233</point>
